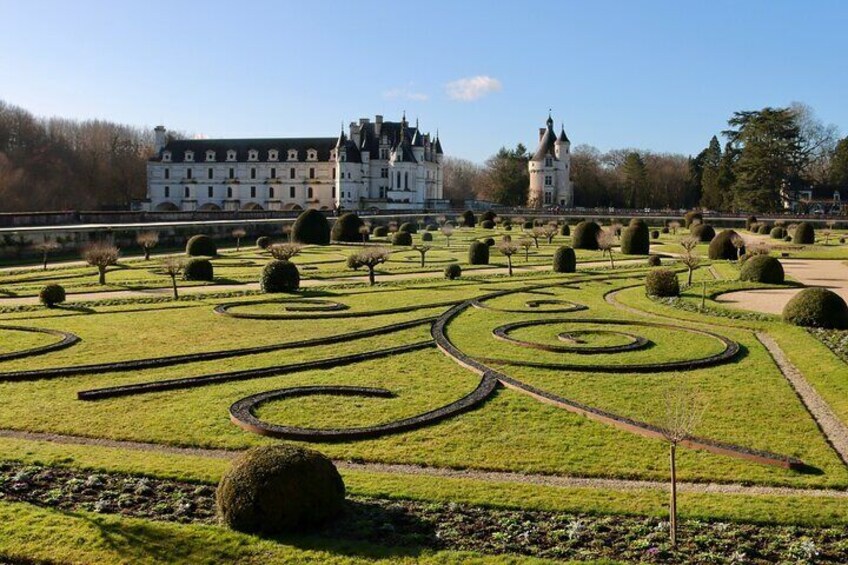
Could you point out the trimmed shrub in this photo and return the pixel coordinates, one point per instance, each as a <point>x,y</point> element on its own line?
<point>764,229</point>
<point>665,229</point>
<point>311,227</point>
<point>817,308</point>
<point>762,269</point>
<point>276,489</point>
<point>432,227</point>
<point>487,224</point>
<point>585,235</point>
<point>777,232</point>
<point>381,231</point>
<point>201,246</point>
<point>488,216</point>
<point>749,221</point>
<point>565,260</point>
<point>804,234</point>
<point>408,227</point>
<point>490,241</point>
<point>468,219</point>
<point>402,238</point>
<point>689,217</point>
<point>564,230</point>
<point>635,240</point>
<point>51,295</point>
<point>263,242</point>
<point>654,261</point>
<point>346,228</point>
<point>655,234</point>
<point>528,225</point>
<point>280,276</point>
<point>638,222</point>
<point>662,283</point>
<point>506,237</point>
<point>704,232</point>
<point>426,236</point>
<point>787,238</point>
<point>453,271</point>
<point>198,270</point>
<point>478,253</point>
<point>721,247</point>
<point>507,227</point>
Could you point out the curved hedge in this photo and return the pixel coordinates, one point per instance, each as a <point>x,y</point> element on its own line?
<point>311,227</point>
<point>279,276</point>
<point>721,247</point>
<point>564,230</point>
<point>762,269</point>
<point>635,240</point>
<point>198,270</point>
<point>263,242</point>
<point>689,217</point>
<point>804,234</point>
<point>346,228</point>
<point>662,283</point>
<point>402,238</point>
<point>778,232</point>
<point>453,271</point>
<point>468,219</point>
<point>202,246</point>
<point>381,231</point>
<point>704,232</point>
<point>51,295</point>
<point>478,253</point>
<point>487,224</point>
<point>817,307</point>
<point>276,489</point>
<point>565,260</point>
<point>408,227</point>
<point>585,235</point>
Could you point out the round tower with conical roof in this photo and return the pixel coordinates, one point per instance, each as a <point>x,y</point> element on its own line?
<point>550,170</point>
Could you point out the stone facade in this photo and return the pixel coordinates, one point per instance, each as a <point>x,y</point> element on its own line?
<point>550,170</point>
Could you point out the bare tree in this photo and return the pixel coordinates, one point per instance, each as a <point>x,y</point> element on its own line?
<point>606,241</point>
<point>673,227</point>
<point>393,227</point>
<point>101,255</point>
<point>508,249</point>
<point>526,244</point>
<point>173,267</point>
<point>284,251</point>
<point>739,243</point>
<point>690,257</point>
<point>45,248</point>
<point>369,258</point>
<point>422,249</point>
<point>147,240</point>
<point>239,233</point>
<point>447,231</point>
<point>442,220</point>
<point>550,231</point>
<point>364,231</point>
<point>287,230</point>
<point>827,233</point>
<point>536,233</point>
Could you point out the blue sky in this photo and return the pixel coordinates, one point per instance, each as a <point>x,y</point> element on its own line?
<point>648,74</point>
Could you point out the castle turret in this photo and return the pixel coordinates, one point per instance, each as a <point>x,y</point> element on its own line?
<point>160,139</point>
<point>549,169</point>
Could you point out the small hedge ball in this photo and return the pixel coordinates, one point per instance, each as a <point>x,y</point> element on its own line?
<point>721,247</point>
<point>818,308</point>
<point>312,228</point>
<point>564,230</point>
<point>704,232</point>
<point>690,217</point>
<point>402,238</point>
<point>280,276</point>
<point>665,229</point>
<point>490,241</point>
<point>51,295</point>
<point>804,234</point>
<point>488,215</point>
<point>635,240</point>
<point>478,253</point>
<point>278,489</point>
<point>528,225</point>
<point>263,242</point>
<point>565,260</point>
<point>346,228</point>
<point>468,219</point>
<point>198,270</point>
<point>762,269</point>
<point>654,261</point>
<point>777,232</point>
<point>764,229</point>
<point>655,234</point>
<point>201,246</point>
<point>487,224</point>
<point>426,236</point>
<point>788,238</point>
<point>662,283</point>
<point>585,235</point>
<point>453,271</point>
<point>381,231</point>
<point>408,227</point>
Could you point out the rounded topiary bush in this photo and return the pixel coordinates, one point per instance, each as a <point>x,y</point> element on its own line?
<point>585,235</point>
<point>804,234</point>
<point>198,270</point>
<point>817,308</point>
<point>764,229</point>
<point>528,225</point>
<point>263,242</point>
<point>762,269</point>
<point>402,238</point>
<point>787,238</point>
<point>276,489</point>
<point>635,240</point>
<point>311,227</point>
<point>662,283</point>
<point>488,216</point>
<point>690,217</point>
<point>478,253</point>
<point>408,227</point>
<point>655,234</point>
<point>51,295</point>
<point>426,236</point>
<point>778,232</point>
<point>750,221</point>
<point>638,222</point>
<point>654,261</point>
<point>381,231</point>
<point>280,276</point>
<point>346,228</point>
<point>453,271</point>
<point>201,245</point>
<point>665,229</point>
<point>468,219</point>
<point>564,230</point>
<point>565,260</point>
<point>704,232</point>
<point>721,247</point>
<point>487,224</point>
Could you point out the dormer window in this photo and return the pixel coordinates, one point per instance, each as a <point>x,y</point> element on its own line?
<point>252,155</point>
<point>292,155</point>
<point>273,155</point>
<point>548,161</point>
<point>311,155</point>
<point>166,156</point>
<point>231,155</point>
<point>210,155</point>
<point>189,156</point>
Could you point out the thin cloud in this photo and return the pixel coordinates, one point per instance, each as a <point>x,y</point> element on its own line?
<point>472,88</point>
<point>405,93</point>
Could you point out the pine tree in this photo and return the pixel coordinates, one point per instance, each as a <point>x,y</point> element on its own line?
<point>635,181</point>
<point>711,196</point>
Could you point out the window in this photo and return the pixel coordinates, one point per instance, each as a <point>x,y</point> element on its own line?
<point>253,172</point>
<point>273,172</point>
<point>292,155</point>
<point>271,192</point>
<point>406,181</point>
<point>291,192</point>
<point>334,172</point>
<point>384,154</point>
<point>167,192</point>
<point>210,173</point>
<point>548,180</point>
<point>210,155</point>
<point>209,192</point>
<point>291,173</point>
<point>309,192</point>
<point>398,179</point>
<point>382,192</point>
<point>334,191</point>
<point>188,173</point>
<point>167,173</point>
<point>311,155</point>
<point>187,192</point>
<point>273,155</point>
<point>166,156</point>
<point>229,192</point>
<point>253,192</point>
<point>189,155</point>
<point>231,155</point>
<point>252,155</point>
<point>232,173</point>
<point>312,172</point>
<point>547,198</point>
<point>384,173</point>
<point>548,161</point>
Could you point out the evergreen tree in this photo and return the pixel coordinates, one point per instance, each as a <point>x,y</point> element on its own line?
<point>635,181</point>
<point>839,165</point>
<point>711,196</point>
<point>505,178</point>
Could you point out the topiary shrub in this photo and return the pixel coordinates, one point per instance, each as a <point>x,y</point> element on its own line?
<point>777,232</point>
<point>478,253</point>
<point>426,236</point>
<point>638,222</point>
<point>804,234</point>
<point>764,229</point>
<point>585,235</point>
<point>662,283</point>
<point>279,276</point>
<point>654,261</point>
<point>721,247</point>
<point>564,230</point>
<point>704,232</point>
<point>432,227</point>
<point>311,227</point>
<point>408,227</point>
<point>787,238</point>
<point>655,234</point>
<point>487,224</point>
<point>489,241</point>
<point>468,219</point>
<point>402,238</point>
<point>263,242</point>
<point>565,260</point>
<point>817,308</point>
<point>635,240</point>
<point>762,269</point>
<point>198,270</point>
<point>665,229</point>
<point>749,221</point>
<point>277,489</point>
<point>528,225</point>
<point>51,295</point>
<point>381,231</point>
<point>690,217</point>
<point>488,216</point>
<point>346,228</point>
<point>201,245</point>
<point>453,271</point>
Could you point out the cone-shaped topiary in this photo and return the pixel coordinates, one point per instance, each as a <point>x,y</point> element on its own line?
<point>565,261</point>
<point>453,271</point>
<point>690,217</point>
<point>478,253</point>
<point>51,295</point>
<point>704,232</point>
<point>198,270</point>
<point>263,242</point>
<point>585,235</point>
<point>804,234</point>
<point>311,227</point>
<point>635,240</point>
<point>381,231</point>
<point>778,232</point>
<point>280,276</point>
<point>426,236</point>
<point>346,228</point>
<point>468,219</point>
<point>818,308</point>
<point>721,247</point>
<point>762,269</point>
<point>662,283</point>
<point>201,246</point>
<point>277,489</point>
<point>564,230</point>
<point>488,215</point>
<point>402,238</point>
<point>487,224</point>
<point>408,227</point>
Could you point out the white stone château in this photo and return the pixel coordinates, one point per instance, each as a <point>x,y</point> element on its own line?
<point>550,170</point>
<point>375,166</point>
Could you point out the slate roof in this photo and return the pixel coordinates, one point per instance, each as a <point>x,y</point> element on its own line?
<point>546,144</point>
<point>178,147</point>
<point>562,137</point>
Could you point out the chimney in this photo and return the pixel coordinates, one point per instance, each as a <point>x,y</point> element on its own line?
<point>160,138</point>
<point>378,124</point>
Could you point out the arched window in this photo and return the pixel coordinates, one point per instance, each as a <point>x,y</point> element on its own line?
<point>309,192</point>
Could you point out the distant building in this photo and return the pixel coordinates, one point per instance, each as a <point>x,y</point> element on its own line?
<point>379,165</point>
<point>550,170</point>
<point>815,200</point>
